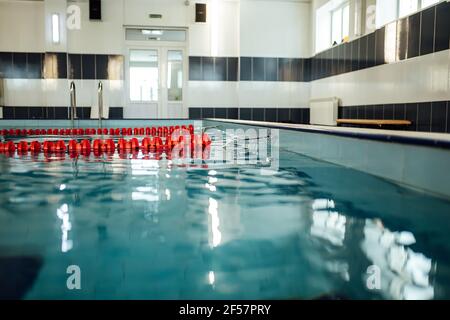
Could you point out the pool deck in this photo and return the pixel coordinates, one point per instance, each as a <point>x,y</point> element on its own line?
<point>410,137</point>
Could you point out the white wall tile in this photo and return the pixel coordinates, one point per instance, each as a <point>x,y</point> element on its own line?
<point>275,29</point>
<point>212,93</point>
<point>22,26</point>
<point>273,94</point>
<point>421,79</point>
<point>138,111</point>
<point>56,92</point>
<point>105,37</point>
<point>24,92</point>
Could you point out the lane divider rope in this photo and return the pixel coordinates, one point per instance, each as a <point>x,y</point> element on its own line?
<point>197,144</point>
<point>154,131</point>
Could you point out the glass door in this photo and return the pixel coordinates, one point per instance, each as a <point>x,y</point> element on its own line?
<point>143,83</point>
<point>173,83</point>
<point>156,82</point>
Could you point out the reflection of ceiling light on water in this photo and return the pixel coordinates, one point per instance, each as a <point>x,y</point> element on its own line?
<point>328,225</point>
<point>323,204</point>
<point>216,235</point>
<point>404,273</point>
<point>144,167</point>
<point>211,278</point>
<point>63,214</point>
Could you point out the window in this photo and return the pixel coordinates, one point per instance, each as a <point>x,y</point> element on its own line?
<point>323,27</point>
<point>336,30</point>
<point>390,10</point>
<point>406,7</point>
<point>427,3</point>
<point>340,23</point>
<point>143,75</point>
<point>332,23</point>
<point>386,12</point>
<point>175,75</point>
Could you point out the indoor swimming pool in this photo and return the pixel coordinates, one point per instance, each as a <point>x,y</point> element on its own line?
<point>145,227</point>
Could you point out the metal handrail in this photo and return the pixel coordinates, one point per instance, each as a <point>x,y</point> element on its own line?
<point>73,103</point>
<point>100,103</point>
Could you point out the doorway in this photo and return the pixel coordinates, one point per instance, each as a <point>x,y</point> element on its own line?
<point>156,75</point>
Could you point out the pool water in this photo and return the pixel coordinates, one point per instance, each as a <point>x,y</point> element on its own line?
<point>148,229</point>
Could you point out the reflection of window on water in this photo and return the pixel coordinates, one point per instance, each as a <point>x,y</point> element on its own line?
<point>143,75</point>
<point>175,75</point>
<point>328,225</point>
<point>404,273</point>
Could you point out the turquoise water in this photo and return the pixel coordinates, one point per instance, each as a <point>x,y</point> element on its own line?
<point>147,229</point>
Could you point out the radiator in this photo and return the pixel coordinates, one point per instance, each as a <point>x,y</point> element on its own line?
<point>324,111</point>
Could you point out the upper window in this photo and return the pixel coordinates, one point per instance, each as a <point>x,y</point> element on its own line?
<point>427,3</point>
<point>390,10</point>
<point>332,24</point>
<point>406,7</point>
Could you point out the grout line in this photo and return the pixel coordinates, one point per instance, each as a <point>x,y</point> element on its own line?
<point>434,29</point>
<point>431,115</point>
<point>446,116</point>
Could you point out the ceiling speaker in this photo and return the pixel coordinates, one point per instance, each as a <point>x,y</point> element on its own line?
<point>95,9</point>
<point>200,12</point>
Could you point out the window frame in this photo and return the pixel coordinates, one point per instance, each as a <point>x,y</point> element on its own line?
<point>341,20</point>
<point>420,7</point>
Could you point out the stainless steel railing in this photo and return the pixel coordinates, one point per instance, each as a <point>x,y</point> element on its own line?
<point>100,103</point>
<point>73,104</point>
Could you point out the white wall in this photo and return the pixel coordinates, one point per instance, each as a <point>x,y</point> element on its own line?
<point>255,28</point>
<point>421,79</point>
<point>275,28</point>
<point>21,26</point>
<point>264,28</point>
<point>101,37</point>
<point>59,7</point>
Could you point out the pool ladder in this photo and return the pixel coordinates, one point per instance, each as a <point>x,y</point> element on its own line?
<point>73,104</point>
<point>100,104</point>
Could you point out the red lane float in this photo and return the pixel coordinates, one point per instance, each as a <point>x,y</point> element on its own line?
<point>162,131</point>
<point>156,140</point>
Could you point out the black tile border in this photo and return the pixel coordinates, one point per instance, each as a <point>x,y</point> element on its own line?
<point>31,65</point>
<point>368,50</point>
<point>202,68</point>
<point>54,113</point>
<point>282,115</point>
<point>419,113</point>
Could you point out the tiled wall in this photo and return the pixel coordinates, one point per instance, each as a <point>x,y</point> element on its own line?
<point>287,115</point>
<point>21,65</point>
<point>425,116</point>
<point>213,68</point>
<point>60,65</point>
<point>274,69</point>
<point>58,113</point>
<point>422,33</point>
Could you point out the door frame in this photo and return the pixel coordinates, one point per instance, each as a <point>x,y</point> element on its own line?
<point>162,48</point>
